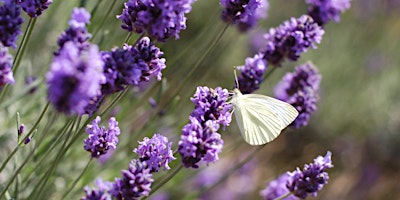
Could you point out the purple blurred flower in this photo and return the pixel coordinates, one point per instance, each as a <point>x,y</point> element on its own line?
<point>100,139</point>
<point>34,8</point>
<point>75,78</point>
<point>99,193</point>
<point>156,152</point>
<point>322,11</point>
<point>291,39</point>
<point>6,74</point>
<point>10,23</point>
<point>161,19</point>
<point>135,182</point>
<point>77,32</point>
<point>311,179</point>
<point>131,65</point>
<point>300,89</point>
<point>251,74</point>
<point>244,13</point>
<point>277,188</point>
<point>200,140</point>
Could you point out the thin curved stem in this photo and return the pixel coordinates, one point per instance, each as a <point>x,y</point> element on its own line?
<point>77,179</point>
<point>22,48</point>
<point>104,20</point>
<point>283,196</point>
<point>166,179</point>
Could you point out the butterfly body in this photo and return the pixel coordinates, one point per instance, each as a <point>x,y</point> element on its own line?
<point>261,118</point>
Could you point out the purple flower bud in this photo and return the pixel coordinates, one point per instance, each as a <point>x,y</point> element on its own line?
<point>251,74</point>
<point>6,74</point>
<point>99,193</point>
<point>34,8</point>
<point>277,188</point>
<point>322,11</point>
<point>21,130</point>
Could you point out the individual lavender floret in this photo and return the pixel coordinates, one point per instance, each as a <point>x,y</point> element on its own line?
<point>34,8</point>
<point>300,89</point>
<point>10,23</point>
<point>75,78</point>
<point>322,11</point>
<point>161,19</point>
<point>252,74</point>
<point>156,152</point>
<point>311,179</point>
<point>200,140</point>
<point>135,182</point>
<point>100,139</point>
<point>6,74</point>
<point>291,39</point>
<point>77,32</point>
<point>244,13</point>
<point>131,65</point>
<point>99,193</point>
<point>277,188</point>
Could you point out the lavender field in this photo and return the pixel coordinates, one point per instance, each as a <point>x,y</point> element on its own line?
<point>161,99</point>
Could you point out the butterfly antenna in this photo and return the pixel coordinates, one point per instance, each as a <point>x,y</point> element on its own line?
<point>236,78</point>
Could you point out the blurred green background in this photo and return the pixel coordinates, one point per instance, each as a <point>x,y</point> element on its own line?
<point>357,118</point>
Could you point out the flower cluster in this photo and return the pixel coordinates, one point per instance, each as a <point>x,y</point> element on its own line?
<point>100,139</point>
<point>131,65</point>
<point>77,32</point>
<point>6,74</point>
<point>200,140</point>
<point>100,193</point>
<point>322,11</point>
<point>251,74</point>
<point>135,182</point>
<point>75,78</point>
<point>300,89</point>
<point>161,19</point>
<point>244,13</point>
<point>10,23</point>
<point>156,152</point>
<point>34,8</point>
<point>311,179</point>
<point>291,39</point>
<point>300,183</point>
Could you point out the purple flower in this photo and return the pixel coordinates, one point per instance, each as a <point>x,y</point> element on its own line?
<point>161,19</point>
<point>34,8</point>
<point>6,74</point>
<point>200,140</point>
<point>77,32</point>
<point>156,152</point>
<point>132,65</point>
<point>10,23</point>
<point>99,193</point>
<point>100,139</point>
<point>277,188</point>
<point>322,11</point>
<point>74,78</point>
<point>251,74</point>
<point>291,39</point>
<point>244,13</point>
<point>135,182</point>
<point>311,179</point>
<point>300,89</point>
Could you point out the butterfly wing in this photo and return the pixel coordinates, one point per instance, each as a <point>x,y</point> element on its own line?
<point>261,118</point>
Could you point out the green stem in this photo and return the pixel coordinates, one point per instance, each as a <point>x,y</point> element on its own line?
<point>9,157</point>
<point>77,179</point>
<point>104,19</point>
<point>283,196</point>
<point>269,73</point>
<point>94,11</point>
<point>166,179</point>
<point>22,48</point>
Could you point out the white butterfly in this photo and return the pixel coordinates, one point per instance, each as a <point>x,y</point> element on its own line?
<point>261,118</point>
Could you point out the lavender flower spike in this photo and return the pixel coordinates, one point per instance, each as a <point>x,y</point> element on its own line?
<point>244,13</point>
<point>277,188</point>
<point>291,39</point>
<point>99,193</point>
<point>311,179</point>
<point>251,74</point>
<point>10,23</point>
<point>75,78</point>
<point>34,8</point>
<point>322,11</point>
<point>161,19</point>
<point>200,140</point>
<point>6,74</point>
<point>156,152</point>
<point>300,89</point>
<point>101,139</point>
<point>135,182</point>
